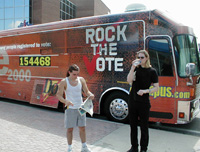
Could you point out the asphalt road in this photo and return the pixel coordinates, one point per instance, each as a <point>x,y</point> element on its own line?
<point>192,128</point>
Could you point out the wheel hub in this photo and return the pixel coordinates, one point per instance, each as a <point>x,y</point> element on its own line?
<point>119,109</point>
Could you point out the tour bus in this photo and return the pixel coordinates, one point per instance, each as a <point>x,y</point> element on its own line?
<point>34,59</point>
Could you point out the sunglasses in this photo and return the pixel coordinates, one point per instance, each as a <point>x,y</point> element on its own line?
<point>140,57</point>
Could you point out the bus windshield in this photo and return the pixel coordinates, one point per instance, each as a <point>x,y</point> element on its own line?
<point>186,51</point>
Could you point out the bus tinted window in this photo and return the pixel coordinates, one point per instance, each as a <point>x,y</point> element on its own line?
<point>160,56</point>
<point>186,52</point>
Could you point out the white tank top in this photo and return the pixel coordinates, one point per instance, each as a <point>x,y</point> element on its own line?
<point>74,94</point>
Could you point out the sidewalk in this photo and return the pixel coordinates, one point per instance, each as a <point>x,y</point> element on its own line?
<point>32,129</point>
<point>160,141</point>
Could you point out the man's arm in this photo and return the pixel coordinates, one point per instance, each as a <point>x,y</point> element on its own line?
<point>61,88</point>
<point>85,89</point>
<point>154,89</point>
<point>130,76</point>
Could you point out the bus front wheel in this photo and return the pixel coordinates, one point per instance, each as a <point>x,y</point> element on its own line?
<point>116,107</point>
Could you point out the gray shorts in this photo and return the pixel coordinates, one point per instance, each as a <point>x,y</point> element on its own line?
<point>74,119</point>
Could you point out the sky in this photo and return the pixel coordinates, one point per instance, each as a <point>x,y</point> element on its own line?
<point>186,12</point>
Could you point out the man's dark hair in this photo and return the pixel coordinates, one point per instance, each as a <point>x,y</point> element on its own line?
<point>73,67</point>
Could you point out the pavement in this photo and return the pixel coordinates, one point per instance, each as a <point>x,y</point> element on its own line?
<point>25,128</point>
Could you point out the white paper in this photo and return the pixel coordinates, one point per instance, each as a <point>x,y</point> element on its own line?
<point>86,107</point>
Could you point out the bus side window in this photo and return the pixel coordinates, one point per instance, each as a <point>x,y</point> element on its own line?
<point>160,56</point>
<point>167,67</point>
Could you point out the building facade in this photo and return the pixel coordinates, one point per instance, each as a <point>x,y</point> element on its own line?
<point>14,12</point>
<point>90,8</point>
<point>17,13</point>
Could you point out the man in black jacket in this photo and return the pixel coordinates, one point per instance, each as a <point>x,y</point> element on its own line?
<point>141,77</point>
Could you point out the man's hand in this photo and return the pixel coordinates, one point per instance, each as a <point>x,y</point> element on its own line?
<point>141,92</point>
<point>68,103</point>
<point>91,96</point>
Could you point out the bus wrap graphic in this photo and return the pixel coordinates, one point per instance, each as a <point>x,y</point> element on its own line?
<point>4,60</point>
<point>166,92</point>
<point>103,41</point>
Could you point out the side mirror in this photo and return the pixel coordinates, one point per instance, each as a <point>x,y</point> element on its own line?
<point>190,69</point>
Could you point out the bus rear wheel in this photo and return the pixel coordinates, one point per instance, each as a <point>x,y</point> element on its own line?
<point>116,107</point>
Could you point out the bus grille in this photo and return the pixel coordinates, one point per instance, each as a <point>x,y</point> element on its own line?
<point>197,94</point>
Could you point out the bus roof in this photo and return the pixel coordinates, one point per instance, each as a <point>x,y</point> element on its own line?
<point>92,20</point>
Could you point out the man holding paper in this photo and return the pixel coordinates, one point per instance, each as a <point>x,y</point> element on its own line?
<point>72,86</point>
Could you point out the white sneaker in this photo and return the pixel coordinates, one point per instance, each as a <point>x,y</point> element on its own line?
<point>69,150</point>
<point>85,149</point>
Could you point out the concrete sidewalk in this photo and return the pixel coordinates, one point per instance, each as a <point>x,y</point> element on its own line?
<point>160,141</point>
<point>25,128</point>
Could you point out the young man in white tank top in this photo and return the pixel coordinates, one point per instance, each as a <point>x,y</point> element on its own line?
<point>72,86</point>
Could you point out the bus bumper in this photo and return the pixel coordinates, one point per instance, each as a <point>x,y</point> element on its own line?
<point>187,110</point>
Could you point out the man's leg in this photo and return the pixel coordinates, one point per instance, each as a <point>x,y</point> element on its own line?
<point>69,135</point>
<point>144,125</point>
<point>82,125</point>
<point>82,134</point>
<point>133,120</point>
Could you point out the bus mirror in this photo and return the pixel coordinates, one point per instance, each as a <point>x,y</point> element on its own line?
<point>190,69</point>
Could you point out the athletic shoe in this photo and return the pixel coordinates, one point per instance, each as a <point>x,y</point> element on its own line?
<point>85,149</point>
<point>69,150</point>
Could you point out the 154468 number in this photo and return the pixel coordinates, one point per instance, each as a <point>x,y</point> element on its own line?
<point>35,61</point>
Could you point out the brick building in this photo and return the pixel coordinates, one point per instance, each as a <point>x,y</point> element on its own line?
<point>15,13</point>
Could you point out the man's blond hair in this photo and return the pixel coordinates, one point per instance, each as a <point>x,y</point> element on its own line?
<point>148,64</point>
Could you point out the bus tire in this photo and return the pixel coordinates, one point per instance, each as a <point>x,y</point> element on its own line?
<point>116,107</point>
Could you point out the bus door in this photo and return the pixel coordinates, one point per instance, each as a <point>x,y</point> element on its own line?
<point>163,105</point>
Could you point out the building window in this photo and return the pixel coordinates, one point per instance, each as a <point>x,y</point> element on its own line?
<point>67,10</point>
<point>2,16</point>
<point>2,3</point>
<point>9,13</point>
<point>19,3</point>
<point>15,13</point>
<point>9,3</point>
<point>2,25</point>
